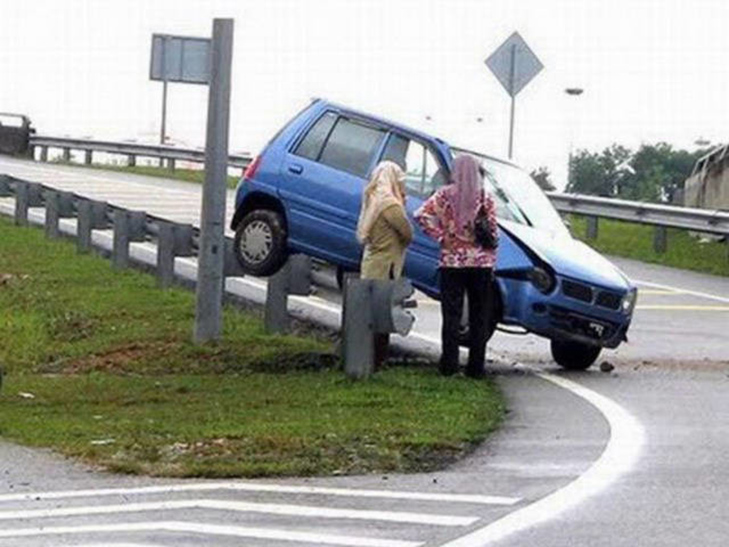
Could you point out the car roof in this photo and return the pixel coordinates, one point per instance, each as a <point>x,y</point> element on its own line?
<point>415,132</point>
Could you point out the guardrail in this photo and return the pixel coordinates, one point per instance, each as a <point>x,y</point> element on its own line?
<point>660,216</point>
<point>385,302</point>
<point>131,150</point>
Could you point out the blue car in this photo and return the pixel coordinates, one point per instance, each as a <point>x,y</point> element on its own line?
<point>302,194</point>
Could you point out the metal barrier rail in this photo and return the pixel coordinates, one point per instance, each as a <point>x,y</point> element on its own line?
<point>660,216</point>
<point>131,150</point>
<point>386,302</point>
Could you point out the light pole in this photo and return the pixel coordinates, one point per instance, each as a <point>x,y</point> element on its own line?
<point>573,92</point>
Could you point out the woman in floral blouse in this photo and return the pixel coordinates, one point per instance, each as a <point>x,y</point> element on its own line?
<point>465,266</point>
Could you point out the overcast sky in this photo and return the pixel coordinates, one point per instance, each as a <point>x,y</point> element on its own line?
<point>652,70</point>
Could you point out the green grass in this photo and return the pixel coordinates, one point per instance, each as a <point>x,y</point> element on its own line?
<point>633,240</point>
<point>187,175</point>
<point>99,366</point>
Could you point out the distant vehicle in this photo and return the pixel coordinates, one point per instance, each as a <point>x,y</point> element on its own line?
<point>15,132</point>
<point>303,194</point>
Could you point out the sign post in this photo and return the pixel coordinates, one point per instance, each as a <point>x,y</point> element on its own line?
<point>514,65</point>
<point>210,274</point>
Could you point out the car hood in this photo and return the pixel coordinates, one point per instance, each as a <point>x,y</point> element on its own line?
<point>569,257</point>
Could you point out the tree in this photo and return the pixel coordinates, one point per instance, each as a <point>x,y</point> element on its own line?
<point>542,177</point>
<point>599,174</point>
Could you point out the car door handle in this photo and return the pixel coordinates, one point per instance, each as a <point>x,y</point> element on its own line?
<point>296,169</point>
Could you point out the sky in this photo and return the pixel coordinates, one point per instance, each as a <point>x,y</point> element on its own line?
<point>651,70</point>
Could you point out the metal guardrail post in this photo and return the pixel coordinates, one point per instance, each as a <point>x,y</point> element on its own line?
<point>171,164</point>
<point>5,189</point>
<point>91,216</point>
<point>358,345</point>
<point>89,157</point>
<point>173,240</point>
<point>27,194</point>
<point>373,306</point>
<point>67,154</point>
<point>128,226</point>
<point>660,239</point>
<point>131,160</point>
<point>44,153</point>
<point>58,205</point>
<point>231,266</point>
<point>293,279</point>
<point>592,224</point>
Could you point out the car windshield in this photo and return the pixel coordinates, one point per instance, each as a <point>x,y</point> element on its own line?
<point>518,198</point>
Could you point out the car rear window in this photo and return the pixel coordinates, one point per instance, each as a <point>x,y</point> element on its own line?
<point>351,147</point>
<point>310,145</point>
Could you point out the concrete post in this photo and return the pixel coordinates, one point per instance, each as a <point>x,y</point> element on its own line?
<point>128,226</point>
<point>22,198</point>
<point>173,240</point>
<point>358,338</point>
<point>120,251</point>
<point>660,239</point>
<point>52,213</point>
<point>58,205</point>
<point>209,291</point>
<point>91,216</point>
<point>276,315</point>
<point>592,227</point>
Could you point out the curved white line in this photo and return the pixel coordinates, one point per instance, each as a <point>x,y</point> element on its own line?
<point>620,455</point>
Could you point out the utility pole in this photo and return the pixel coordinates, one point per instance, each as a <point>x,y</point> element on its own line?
<point>210,274</point>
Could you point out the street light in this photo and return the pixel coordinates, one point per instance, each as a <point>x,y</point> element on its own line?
<point>573,92</point>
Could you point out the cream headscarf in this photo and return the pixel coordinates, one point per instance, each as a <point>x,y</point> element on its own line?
<point>386,188</point>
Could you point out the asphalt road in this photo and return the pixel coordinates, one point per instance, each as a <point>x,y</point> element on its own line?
<point>633,457</point>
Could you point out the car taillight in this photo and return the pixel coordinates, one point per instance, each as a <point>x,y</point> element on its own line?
<point>250,171</point>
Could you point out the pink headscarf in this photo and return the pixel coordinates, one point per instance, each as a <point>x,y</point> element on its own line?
<point>466,189</point>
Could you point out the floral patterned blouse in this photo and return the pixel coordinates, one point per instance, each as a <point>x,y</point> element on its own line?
<point>457,250</point>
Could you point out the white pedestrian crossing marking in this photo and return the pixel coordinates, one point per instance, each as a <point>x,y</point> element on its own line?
<point>242,486</point>
<point>210,529</point>
<point>238,506</point>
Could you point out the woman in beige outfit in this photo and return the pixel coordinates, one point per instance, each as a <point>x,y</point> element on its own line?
<point>385,231</point>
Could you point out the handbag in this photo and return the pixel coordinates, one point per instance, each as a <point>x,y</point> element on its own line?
<point>482,230</point>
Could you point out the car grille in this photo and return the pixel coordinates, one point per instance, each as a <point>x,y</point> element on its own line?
<point>569,321</point>
<point>609,300</point>
<point>586,293</point>
<point>578,291</point>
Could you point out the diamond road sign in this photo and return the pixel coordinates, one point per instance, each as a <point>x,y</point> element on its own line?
<point>514,64</point>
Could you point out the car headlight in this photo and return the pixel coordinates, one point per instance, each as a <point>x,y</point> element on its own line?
<point>629,300</point>
<point>541,279</point>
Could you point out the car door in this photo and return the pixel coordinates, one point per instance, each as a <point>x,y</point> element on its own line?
<point>323,176</point>
<point>424,174</point>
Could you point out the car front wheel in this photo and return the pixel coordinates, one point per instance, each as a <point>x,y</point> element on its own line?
<point>574,355</point>
<point>260,242</point>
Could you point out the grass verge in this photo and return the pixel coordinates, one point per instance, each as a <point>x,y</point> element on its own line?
<point>187,175</point>
<point>99,367</point>
<point>632,240</point>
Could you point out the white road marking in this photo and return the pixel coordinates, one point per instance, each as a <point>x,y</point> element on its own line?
<point>210,529</point>
<point>681,291</point>
<point>620,455</point>
<point>245,507</point>
<point>240,486</point>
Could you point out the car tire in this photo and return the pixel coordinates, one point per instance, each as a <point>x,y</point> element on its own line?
<point>260,242</point>
<point>572,355</point>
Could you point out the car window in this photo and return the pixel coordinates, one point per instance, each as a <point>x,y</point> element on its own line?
<point>310,146</point>
<point>351,147</point>
<point>423,174</point>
